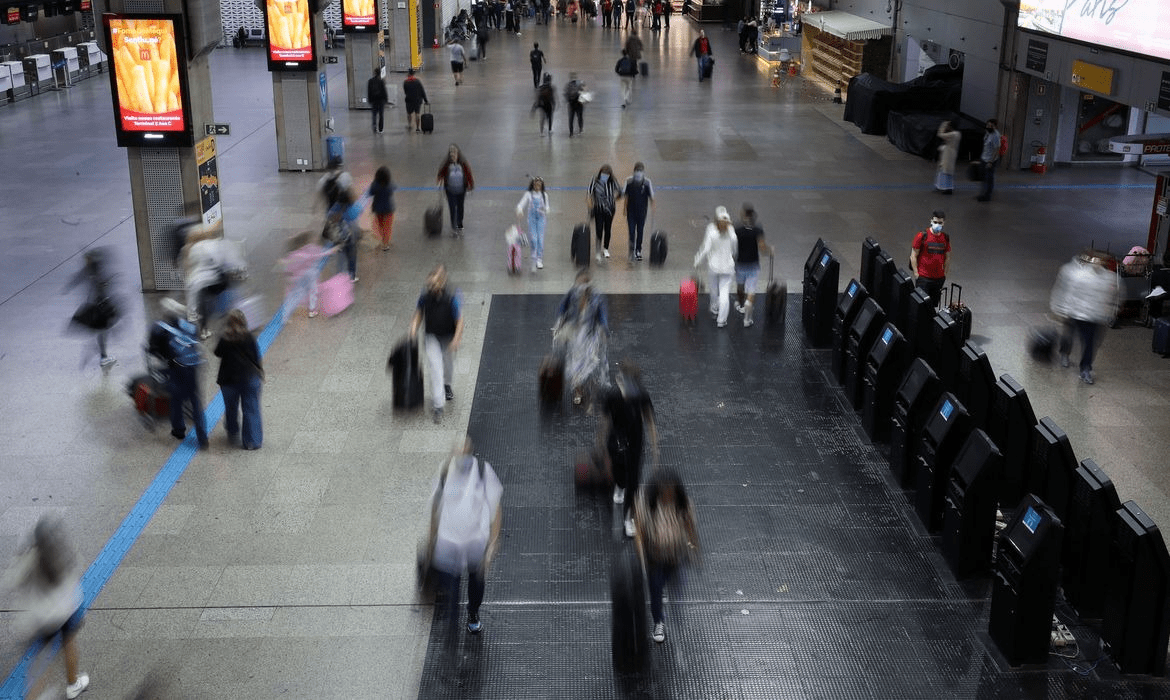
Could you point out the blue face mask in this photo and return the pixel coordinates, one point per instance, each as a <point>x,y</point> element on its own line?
<point>936,228</point>
<point>604,177</point>
<point>638,175</point>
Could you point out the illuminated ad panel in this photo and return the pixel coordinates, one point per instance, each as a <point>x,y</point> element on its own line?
<point>149,80</point>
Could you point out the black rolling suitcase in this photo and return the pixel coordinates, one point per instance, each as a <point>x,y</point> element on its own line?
<point>630,638</point>
<point>776,297</point>
<point>658,248</point>
<point>427,120</point>
<point>551,380</point>
<point>1162,336</point>
<point>406,376</point>
<point>708,66</point>
<point>433,221</point>
<point>644,69</point>
<point>579,246</point>
<point>958,311</point>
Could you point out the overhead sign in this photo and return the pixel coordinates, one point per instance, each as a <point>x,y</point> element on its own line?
<point>1141,144</point>
<point>1087,76</point>
<point>1037,57</point>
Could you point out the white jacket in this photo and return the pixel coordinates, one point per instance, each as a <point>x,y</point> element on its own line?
<point>532,199</point>
<point>719,249</point>
<point>467,507</point>
<point>1085,292</point>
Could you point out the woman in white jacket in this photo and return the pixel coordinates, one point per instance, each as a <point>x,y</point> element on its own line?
<point>719,249</point>
<point>533,206</point>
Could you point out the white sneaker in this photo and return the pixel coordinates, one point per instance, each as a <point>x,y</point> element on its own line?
<point>539,264</point>
<point>108,361</point>
<point>738,307</point>
<point>605,251</point>
<point>629,527</point>
<point>78,687</point>
<point>660,632</point>
<point>619,494</point>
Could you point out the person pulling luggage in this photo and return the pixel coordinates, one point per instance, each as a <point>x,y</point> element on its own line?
<point>930,257</point>
<point>629,414</point>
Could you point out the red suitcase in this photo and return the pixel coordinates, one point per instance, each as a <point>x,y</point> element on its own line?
<point>688,300</point>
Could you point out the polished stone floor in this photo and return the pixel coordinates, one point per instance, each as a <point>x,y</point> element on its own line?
<point>290,571</point>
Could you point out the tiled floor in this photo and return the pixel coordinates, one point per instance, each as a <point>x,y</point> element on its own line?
<point>289,571</point>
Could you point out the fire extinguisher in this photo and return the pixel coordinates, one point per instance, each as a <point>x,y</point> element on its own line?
<point>1039,159</point>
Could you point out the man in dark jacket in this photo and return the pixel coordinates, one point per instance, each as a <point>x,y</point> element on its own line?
<point>377,96</point>
<point>701,50</point>
<point>536,58</point>
<point>414,95</point>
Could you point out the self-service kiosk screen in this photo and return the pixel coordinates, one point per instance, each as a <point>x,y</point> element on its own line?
<point>887,336</point>
<point>359,15</point>
<point>1031,519</point>
<point>825,259</point>
<point>148,78</point>
<point>851,289</point>
<point>290,35</point>
<point>947,409</point>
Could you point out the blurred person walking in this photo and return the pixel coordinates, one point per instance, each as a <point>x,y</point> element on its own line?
<point>546,102</point>
<point>458,59</point>
<point>601,199</point>
<point>533,209</point>
<point>100,311</point>
<point>440,311</point>
<point>581,336</point>
<point>575,98</point>
<point>638,200</point>
<point>48,581</point>
<point>301,272</point>
<point>666,536</point>
<point>633,44</point>
<point>241,373</point>
<point>749,243</point>
<point>629,414</point>
<point>336,186</point>
<point>701,50</point>
<point>1086,296</point>
<point>377,96</point>
<point>415,96</point>
<point>948,153</point>
<point>626,70</point>
<point>456,180</point>
<point>466,518</point>
<point>173,339</point>
<point>381,193</point>
<point>719,250</point>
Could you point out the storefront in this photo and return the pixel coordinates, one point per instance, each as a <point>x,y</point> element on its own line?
<point>836,46</point>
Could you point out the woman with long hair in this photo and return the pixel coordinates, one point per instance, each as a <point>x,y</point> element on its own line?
<point>601,198</point>
<point>456,180</point>
<point>239,378</point>
<point>533,208</point>
<point>381,194</point>
<point>581,336</point>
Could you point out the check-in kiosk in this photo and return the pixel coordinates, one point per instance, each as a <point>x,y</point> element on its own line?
<point>975,383</point>
<point>862,334</point>
<point>90,58</point>
<point>945,431</point>
<point>38,69</point>
<point>916,395</point>
<point>851,300</point>
<point>1052,466</point>
<point>883,272</point>
<point>968,530</point>
<point>1026,576</point>
<point>1009,425</point>
<point>943,354</point>
<point>1136,626</point>
<point>65,65</point>
<point>1088,535</point>
<point>896,299</point>
<point>884,367</point>
<point>869,255</point>
<point>916,324</point>
<point>820,299</point>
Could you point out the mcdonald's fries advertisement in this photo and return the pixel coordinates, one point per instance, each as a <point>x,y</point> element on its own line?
<point>148,75</point>
<point>290,33</point>
<point>358,15</point>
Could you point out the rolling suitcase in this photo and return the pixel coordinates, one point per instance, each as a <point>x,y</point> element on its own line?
<point>433,221</point>
<point>151,399</point>
<point>579,247</point>
<point>776,297</point>
<point>688,300</point>
<point>708,66</point>
<point>958,311</point>
<point>551,380</point>
<point>1162,336</point>
<point>336,294</point>
<point>591,472</point>
<point>630,639</point>
<point>427,119</point>
<point>406,376</point>
<point>975,171</point>
<point>658,248</point>
<point>644,69</point>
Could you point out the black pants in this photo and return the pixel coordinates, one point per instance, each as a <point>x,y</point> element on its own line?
<point>377,112</point>
<point>931,286</point>
<point>546,115</point>
<point>455,205</point>
<point>604,227</point>
<point>626,459</point>
<point>576,109</point>
<point>535,75</point>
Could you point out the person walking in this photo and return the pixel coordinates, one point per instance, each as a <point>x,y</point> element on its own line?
<point>381,194</point>
<point>301,272</point>
<point>456,180</point>
<point>719,250</point>
<point>48,582</point>
<point>667,537</point>
<point>656,12</point>
<point>100,311</point>
<point>667,11</point>
<point>536,59</point>
<point>241,372</point>
<point>482,35</point>
<point>638,200</point>
<point>701,50</point>
<point>1085,296</point>
<point>930,257</point>
<point>989,157</point>
<point>629,415</point>
<point>575,99</point>
<point>533,208</point>
<point>377,96</point>
<point>546,102</point>
<point>336,186</point>
<point>948,153</point>
<point>173,340</point>
<point>581,337</point>
<point>606,13</point>
<point>458,58</point>
<point>749,242</point>
<point>631,10</point>
<point>466,519</point>
<point>415,96</point>
<point>634,49</point>
<point>601,200</point>
<point>627,70</point>
<point>618,8</point>
<point>440,311</point>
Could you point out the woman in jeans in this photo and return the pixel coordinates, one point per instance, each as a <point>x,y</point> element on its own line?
<point>601,199</point>
<point>533,208</point>
<point>456,180</point>
<point>239,378</point>
<point>666,536</point>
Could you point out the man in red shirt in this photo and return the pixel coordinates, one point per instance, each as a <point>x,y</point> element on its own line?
<point>930,257</point>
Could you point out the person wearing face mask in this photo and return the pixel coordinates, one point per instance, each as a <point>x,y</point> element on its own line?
<point>638,194</point>
<point>930,257</point>
<point>601,199</point>
<point>456,180</point>
<point>720,246</point>
<point>990,158</point>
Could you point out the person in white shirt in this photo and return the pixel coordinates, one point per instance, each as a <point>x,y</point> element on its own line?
<point>719,249</point>
<point>533,210</point>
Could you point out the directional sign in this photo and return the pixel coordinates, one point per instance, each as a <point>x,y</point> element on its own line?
<point>329,59</point>
<point>217,129</point>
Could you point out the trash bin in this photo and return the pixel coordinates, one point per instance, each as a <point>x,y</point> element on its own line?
<point>334,148</point>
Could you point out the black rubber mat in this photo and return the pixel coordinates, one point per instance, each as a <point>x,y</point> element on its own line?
<point>816,580</point>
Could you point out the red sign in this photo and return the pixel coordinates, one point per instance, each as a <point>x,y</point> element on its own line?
<point>13,15</point>
<point>289,31</point>
<point>86,5</point>
<point>146,69</point>
<point>358,14</point>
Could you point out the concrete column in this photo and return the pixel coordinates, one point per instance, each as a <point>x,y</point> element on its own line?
<point>361,60</point>
<point>301,105</point>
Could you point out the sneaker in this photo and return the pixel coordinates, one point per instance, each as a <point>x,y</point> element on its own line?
<point>539,263</point>
<point>660,632</point>
<point>1087,377</point>
<point>77,687</point>
<point>204,334</point>
<point>638,256</point>
<point>353,279</point>
<point>629,524</point>
<point>619,495</point>
<point>1064,359</point>
<point>447,391</point>
<point>437,416</point>
<point>605,251</point>
<point>179,435</point>
<point>312,314</point>
<point>721,324</point>
<point>108,362</point>
<point>473,624</point>
<point>738,307</point>
<point>748,323</point>
<point>598,256</point>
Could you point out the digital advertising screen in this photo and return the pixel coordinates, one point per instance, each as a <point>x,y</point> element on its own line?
<point>148,76</point>
<point>290,35</point>
<point>1139,27</point>
<point>359,16</point>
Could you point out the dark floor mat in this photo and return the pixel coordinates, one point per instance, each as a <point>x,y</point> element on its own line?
<point>816,581</point>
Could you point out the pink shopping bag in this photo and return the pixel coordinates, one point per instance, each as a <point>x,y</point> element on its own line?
<point>336,294</point>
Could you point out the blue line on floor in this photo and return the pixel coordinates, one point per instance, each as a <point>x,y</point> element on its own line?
<point>119,544</point>
<point>826,188</point>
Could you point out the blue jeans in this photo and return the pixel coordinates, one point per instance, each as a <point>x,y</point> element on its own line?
<point>988,178</point>
<point>245,396</point>
<point>455,204</point>
<point>183,385</point>
<point>536,226</point>
<point>1087,331</point>
<point>657,577</point>
<point>347,261</point>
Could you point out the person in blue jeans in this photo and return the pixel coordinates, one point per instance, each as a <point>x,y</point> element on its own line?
<point>638,195</point>
<point>533,208</point>
<point>667,537</point>
<point>989,158</point>
<point>701,50</point>
<point>175,341</point>
<point>240,376</point>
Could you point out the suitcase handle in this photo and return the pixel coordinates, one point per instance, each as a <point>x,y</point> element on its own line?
<point>955,299</point>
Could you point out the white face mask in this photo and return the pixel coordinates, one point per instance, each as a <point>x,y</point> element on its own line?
<point>604,177</point>
<point>638,175</point>
<point>936,228</point>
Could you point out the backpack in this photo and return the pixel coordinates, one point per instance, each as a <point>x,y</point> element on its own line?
<point>623,66</point>
<point>181,345</point>
<point>573,91</point>
<point>332,190</point>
